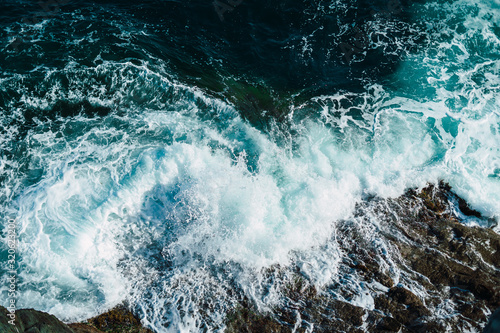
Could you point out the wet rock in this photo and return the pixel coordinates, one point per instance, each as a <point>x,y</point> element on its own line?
<point>244,320</point>
<point>454,267</point>
<point>32,321</point>
<point>83,328</point>
<point>119,319</point>
<point>388,324</point>
<point>404,296</point>
<point>402,305</point>
<point>418,261</point>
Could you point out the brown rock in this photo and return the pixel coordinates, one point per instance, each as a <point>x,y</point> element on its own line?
<point>83,328</point>
<point>244,320</point>
<point>118,319</point>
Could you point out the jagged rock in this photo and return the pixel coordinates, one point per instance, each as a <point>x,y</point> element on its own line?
<point>118,319</point>
<point>447,259</point>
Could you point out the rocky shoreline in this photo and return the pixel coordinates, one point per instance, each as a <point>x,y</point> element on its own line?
<point>448,278</point>
<point>119,319</point>
<point>457,266</point>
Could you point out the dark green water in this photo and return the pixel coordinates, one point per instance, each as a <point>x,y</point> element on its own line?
<point>166,153</point>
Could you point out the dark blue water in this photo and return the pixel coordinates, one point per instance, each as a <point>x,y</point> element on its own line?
<point>166,153</point>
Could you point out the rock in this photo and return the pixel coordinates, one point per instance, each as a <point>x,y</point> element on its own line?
<point>83,328</point>
<point>32,321</point>
<point>244,320</point>
<point>402,305</point>
<point>404,296</point>
<point>441,263</point>
<point>432,249</point>
<point>388,324</point>
<point>117,320</point>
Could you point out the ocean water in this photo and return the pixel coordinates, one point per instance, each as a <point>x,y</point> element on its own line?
<point>168,154</point>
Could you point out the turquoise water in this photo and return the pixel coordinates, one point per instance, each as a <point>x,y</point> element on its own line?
<point>130,182</point>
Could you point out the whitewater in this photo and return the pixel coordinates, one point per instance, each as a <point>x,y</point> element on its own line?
<point>165,197</point>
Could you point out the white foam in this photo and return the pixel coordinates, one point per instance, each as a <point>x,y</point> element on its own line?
<point>174,203</point>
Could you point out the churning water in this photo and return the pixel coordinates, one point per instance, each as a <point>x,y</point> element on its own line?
<point>134,175</point>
